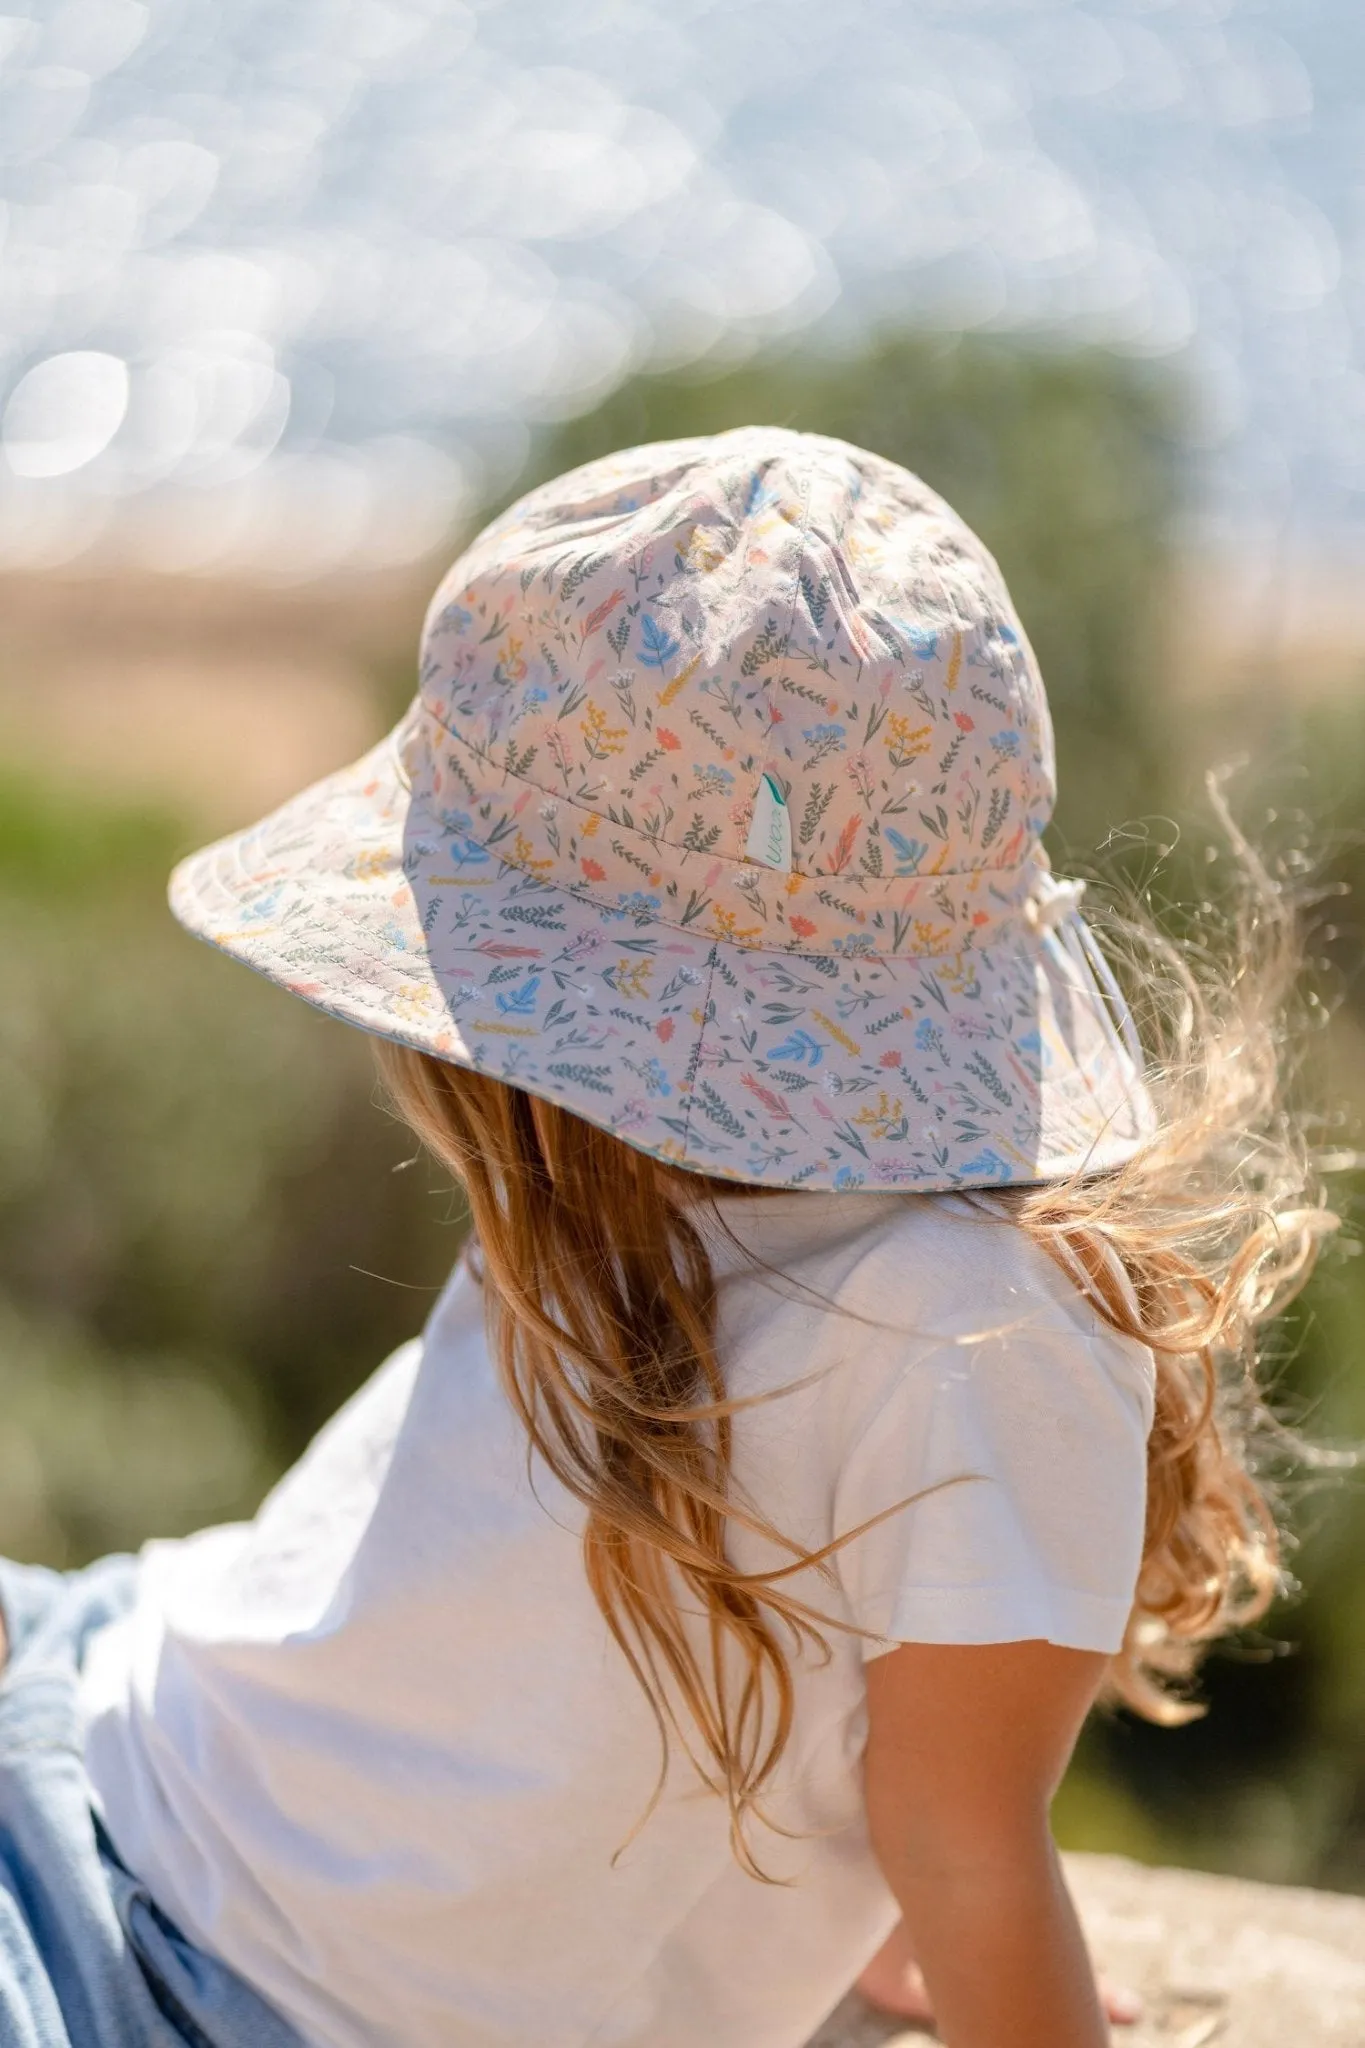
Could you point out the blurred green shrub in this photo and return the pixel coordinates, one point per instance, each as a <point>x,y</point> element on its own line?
<point>195,1189</point>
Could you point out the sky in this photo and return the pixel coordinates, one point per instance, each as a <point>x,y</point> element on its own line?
<point>285,285</point>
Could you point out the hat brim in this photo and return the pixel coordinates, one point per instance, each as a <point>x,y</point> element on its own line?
<point>846,1070</point>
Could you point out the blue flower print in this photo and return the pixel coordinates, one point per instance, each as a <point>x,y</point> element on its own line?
<point>639,903</point>
<point>655,1078</point>
<point>909,852</point>
<point>522,1001</point>
<point>1006,745</point>
<point>659,645</point>
<point>533,694</point>
<point>800,1046</point>
<point>929,1038</point>
<point>987,1165</point>
<point>1029,1045</point>
<point>467,853</point>
<point>456,618</point>
<point>922,642</point>
<point>712,780</point>
<point>847,1178</point>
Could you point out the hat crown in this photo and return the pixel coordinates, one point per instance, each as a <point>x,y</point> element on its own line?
<point>716,821</point>
<point>761,681</point>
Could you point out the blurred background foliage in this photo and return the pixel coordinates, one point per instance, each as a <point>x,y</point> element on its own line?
<point>210,1231</point>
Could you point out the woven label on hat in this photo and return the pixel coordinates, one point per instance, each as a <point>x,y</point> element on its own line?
<point>770,833</point>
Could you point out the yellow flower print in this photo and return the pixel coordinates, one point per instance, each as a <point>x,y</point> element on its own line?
<point>957,973</point>
<point>523,856</point>
<point>632,977</point>
<point>411,1002</point>
<point>684,676</point>
<point>723,926</point>
<point>602,739</point>
<point>884,1120</point>
<point>372,866</point>
<point>904,742</point>
<point>932,938</point>
<point>837,1033</point>
<point>703,552</point>
<point>513,667</point>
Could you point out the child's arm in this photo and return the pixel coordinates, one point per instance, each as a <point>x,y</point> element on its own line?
<point>966,1746</point>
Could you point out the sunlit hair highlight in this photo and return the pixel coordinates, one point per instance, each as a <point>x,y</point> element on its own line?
<point>603,1316</point>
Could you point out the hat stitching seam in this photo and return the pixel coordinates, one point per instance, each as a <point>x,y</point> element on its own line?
<point>706,1014</point>
<point>1020,939</point>
<point>834,877</point>
<point>803,545</point>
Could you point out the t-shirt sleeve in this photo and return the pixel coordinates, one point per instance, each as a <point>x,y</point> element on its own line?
<point>1021,1452</point>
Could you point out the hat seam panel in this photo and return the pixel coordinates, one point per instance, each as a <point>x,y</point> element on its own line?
<point>706,1014</point>
<point>832,878</point>
<point>803,545</point>
<point>1021,940</point>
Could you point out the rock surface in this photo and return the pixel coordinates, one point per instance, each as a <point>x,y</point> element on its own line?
<point>1217,1960</point>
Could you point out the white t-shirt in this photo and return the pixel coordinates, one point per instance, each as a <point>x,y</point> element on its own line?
<point>376,1748</point>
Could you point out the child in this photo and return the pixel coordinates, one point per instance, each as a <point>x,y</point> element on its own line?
<point>703,1610</point>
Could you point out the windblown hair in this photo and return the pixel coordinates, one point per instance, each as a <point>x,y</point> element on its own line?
<point>606,1323</point>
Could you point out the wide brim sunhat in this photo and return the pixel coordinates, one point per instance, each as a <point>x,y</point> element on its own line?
<point>716,819</point>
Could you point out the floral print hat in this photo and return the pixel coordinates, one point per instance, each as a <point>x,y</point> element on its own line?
<point>716,819</point>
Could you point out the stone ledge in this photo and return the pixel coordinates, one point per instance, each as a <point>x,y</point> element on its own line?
<point>1217,1959</point>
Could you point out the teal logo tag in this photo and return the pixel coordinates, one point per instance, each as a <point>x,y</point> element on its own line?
<point>770,833</point>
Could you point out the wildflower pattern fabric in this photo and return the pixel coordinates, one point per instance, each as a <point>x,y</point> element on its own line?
<point>716,818</point>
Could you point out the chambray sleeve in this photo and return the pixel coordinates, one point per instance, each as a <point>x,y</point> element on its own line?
<point>1020,1452</point>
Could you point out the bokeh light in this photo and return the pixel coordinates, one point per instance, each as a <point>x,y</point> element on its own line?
<point>344,253</point>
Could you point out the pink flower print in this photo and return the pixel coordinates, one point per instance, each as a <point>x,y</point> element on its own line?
<point>843,847</point>
<point>602,612</point>
<point>774,1104</point>
<point>664,1029</point>
<point>668,739</point>
<point>889,1059</point>
<point>594,871</point>
<point>802,926</point>
<point>860,770</point>
<point>963,722</point>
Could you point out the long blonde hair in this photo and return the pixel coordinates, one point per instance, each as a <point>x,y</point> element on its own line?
<point>605,1338</point>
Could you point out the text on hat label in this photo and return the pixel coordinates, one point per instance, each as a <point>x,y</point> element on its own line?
<point>770,832</point>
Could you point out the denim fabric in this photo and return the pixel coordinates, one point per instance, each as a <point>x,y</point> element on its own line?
<point>87,1960</point>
